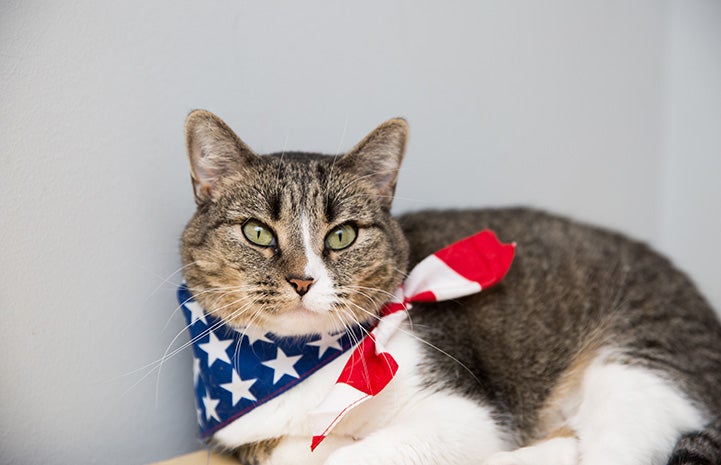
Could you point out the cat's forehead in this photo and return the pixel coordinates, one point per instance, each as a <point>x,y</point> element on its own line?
<point>300,181</point>
<point>305,171</point>
<point>286,186</point>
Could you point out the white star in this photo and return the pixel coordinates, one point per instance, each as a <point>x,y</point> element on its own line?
<point>254,333</point>
<point>209,403</point>
<point>216,349</point>
<point>196,369</point>
<point>199,412</point>
<point>327,341</point>
<point>196,312</point>
<point>239,388</point>
<point>282,365</point>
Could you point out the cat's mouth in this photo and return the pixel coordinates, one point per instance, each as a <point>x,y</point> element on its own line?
<point>301,319</point>
<point>302,310</point>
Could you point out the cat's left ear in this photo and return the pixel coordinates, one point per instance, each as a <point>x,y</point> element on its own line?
<point>378,157</point>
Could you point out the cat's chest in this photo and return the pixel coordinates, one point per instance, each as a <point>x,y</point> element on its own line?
<point>287,414</point>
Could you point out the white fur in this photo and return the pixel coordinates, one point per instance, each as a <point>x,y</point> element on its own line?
<point>622,414</point>
<point>321,295</point>
<point>630,415</point>
<point>404,424</point>
<point>555,451</point>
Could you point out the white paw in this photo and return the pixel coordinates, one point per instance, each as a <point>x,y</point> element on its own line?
<point>556,451</point>
<point>356,455</point>
<point>504,458</point>
<point>345,456</point>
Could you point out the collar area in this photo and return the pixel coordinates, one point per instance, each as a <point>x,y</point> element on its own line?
<point>236,371</point>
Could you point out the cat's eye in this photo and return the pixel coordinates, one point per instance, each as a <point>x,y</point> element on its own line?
<point>258,233</point>
<point>341,237</point>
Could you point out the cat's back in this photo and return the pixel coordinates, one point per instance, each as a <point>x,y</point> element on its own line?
<point>571,288</point>
<point>557,256</point>
<point>531,229</point>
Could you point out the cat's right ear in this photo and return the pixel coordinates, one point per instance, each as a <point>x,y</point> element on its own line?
<point>214,151</point>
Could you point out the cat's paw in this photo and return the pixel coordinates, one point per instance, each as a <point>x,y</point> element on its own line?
<point>504,458</point>
<point>556,451</point>
<point>295,450</point>
<point>342,457</point>
<point>353,455</point>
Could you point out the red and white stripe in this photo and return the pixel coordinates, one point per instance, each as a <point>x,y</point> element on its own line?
<point>463,268</point>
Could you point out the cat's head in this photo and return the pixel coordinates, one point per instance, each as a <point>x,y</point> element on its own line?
<point>294,243</point>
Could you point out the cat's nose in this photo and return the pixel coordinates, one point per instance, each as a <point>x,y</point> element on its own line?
<point>301,285</point>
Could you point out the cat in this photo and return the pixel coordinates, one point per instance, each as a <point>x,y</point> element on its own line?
<point>593,349</point>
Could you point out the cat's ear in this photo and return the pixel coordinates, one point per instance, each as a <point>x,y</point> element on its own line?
<point>378,157</point>
<point>214,151</point>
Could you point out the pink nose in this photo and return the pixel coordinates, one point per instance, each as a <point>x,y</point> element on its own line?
<point>301,285</point>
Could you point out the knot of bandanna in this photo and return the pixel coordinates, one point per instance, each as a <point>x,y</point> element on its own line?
<point>460,269</point>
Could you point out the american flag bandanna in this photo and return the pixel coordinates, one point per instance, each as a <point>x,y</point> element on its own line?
<point>236,371</point>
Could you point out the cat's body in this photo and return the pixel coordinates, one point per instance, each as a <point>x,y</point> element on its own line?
<point>572,292</point>
<point>592,350</point>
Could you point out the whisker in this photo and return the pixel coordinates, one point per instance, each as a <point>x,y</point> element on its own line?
<point>280,164</point>
<point>429,344</point>
<point>257,311</point>
<point>443,352</point>
<point>205,332</point>
<point>374,289</point>
<point>157,364</point>
<point>335,158</point>
<point>363,361</point>
<point>166,280</point>
<point>196,294</point>
<point>402,272</point>
<point>350,184</point>
<point>405,308</point>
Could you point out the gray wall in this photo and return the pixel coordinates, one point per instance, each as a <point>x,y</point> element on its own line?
<point>606,111</point>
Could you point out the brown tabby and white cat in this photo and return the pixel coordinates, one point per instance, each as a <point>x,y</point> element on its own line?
<point>592,350</point>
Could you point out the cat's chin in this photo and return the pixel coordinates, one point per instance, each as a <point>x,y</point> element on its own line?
<point>300,320</point>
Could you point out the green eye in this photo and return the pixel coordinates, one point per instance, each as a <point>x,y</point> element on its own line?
<point>341,237</point>
<point>258,233</point>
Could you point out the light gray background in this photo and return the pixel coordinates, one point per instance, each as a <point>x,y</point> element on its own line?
<point>607,111</point>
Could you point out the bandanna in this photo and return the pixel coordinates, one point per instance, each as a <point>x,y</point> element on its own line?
<point>235,371</point>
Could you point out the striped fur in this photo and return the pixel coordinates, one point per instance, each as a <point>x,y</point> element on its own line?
<point>699,448</point>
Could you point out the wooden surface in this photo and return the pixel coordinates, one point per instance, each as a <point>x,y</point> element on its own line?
<point>202,457</point>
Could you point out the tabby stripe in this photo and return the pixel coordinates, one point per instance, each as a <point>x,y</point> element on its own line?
<point>713,442</point>
<point>689,457</point>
